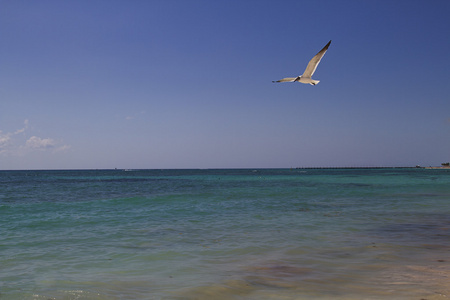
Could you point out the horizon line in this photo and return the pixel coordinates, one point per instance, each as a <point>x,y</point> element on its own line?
<point>235,168</point>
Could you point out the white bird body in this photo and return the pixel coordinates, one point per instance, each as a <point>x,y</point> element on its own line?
<point>310,69</point>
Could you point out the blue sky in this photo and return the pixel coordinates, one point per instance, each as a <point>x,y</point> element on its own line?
<point>188,84</point>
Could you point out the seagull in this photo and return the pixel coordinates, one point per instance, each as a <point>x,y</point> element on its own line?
<point>310,69</point>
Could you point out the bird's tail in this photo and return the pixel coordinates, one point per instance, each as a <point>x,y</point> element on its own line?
<point>314,82</point>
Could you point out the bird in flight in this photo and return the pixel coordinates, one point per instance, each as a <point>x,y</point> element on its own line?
<point>310,69</point>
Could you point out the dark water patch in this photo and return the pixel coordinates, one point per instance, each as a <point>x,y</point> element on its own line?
<point>416,233</point>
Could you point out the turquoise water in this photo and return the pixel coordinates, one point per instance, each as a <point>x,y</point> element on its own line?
<point>225,234</point>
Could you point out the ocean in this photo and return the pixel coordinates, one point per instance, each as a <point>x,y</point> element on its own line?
<point>225,234</point>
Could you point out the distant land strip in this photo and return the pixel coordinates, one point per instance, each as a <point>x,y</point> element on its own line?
<point>416,167</point>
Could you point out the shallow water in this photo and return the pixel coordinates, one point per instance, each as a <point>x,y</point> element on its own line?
<point>225,234</point>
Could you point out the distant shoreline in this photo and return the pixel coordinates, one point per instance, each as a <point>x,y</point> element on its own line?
<point>417,167</point>
<point>437,168</point>
<point>291,168</point>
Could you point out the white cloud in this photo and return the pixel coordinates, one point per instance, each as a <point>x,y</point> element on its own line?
<point>35,142</point>
<point>62,148</point>
<point>4,138</point>
<point>25,123</point>
<point>4,142</point>
<point>13,143</point>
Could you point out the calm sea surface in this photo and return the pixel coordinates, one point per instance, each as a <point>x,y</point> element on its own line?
<point>225,234</point>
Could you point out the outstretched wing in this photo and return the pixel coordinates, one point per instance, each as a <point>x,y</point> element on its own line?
<point>287,79</point>
<point>314,62</point>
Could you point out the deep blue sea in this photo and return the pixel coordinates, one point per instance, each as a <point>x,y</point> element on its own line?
<point>225,234</point>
